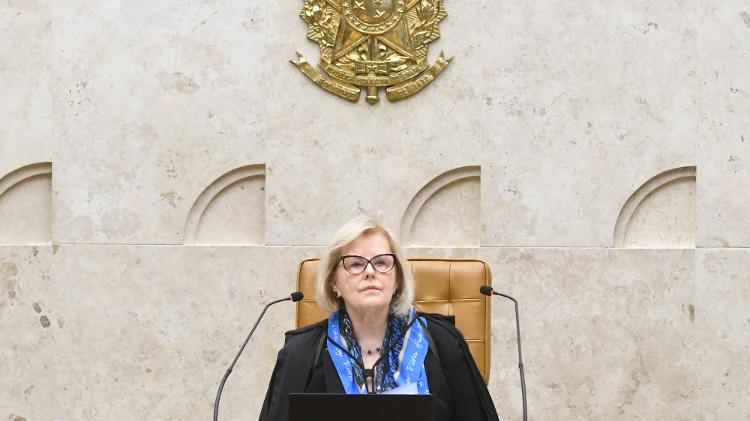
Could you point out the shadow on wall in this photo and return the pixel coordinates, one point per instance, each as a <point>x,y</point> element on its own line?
<point>661,213</point>
<point>26,205</point>
<point>445,212</point>
<point>231,210</point>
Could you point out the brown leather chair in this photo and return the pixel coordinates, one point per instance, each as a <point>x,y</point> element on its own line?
<point>443,286</point>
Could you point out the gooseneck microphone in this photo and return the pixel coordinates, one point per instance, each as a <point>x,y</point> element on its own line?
<point>294,297</point>
<point>488,291</point>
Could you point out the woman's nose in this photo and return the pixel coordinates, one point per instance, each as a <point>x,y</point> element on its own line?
<point>370,269</point>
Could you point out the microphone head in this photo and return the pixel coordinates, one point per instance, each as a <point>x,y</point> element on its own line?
<point>297,296</point>
<point>486,290</point>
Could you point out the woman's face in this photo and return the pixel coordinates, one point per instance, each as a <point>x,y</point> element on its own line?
<point>371,290</point>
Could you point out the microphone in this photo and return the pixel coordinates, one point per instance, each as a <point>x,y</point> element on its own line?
<point>294,297</point>
<point>488,291</point>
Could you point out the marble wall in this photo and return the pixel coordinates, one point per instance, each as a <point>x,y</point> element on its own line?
<point>164,168</point>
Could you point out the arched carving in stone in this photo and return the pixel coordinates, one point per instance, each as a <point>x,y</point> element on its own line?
<point>661,213</point>
<point>445,212</point>
<point>231,210</point>
<point>26,205</point>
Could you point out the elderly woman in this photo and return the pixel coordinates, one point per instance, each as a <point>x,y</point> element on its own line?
<point>365,281</point>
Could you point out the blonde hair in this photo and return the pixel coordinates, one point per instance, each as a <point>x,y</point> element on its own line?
<point>363,224</point>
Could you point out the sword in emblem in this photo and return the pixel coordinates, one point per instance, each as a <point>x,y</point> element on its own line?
<point>372,91</point>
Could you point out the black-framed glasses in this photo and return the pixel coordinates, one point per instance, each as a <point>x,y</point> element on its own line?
<point>355,265</point>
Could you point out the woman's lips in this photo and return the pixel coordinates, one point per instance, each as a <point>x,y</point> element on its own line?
<point>371,288</point>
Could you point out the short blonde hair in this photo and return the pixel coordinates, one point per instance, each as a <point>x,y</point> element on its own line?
<point>363,224</point>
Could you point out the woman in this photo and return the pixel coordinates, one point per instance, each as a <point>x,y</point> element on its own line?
<point>373,340</point>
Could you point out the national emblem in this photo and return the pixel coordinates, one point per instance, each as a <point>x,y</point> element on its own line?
<point>373,43</point>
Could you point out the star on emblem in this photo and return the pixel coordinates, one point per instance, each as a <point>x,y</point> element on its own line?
<point>350,37</point>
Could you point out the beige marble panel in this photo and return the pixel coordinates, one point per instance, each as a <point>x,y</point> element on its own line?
<point>607,334</point>
<point>724,142</point>
<point>585,102</point>
<point>722,317</point>
<point>236,215</point>
<point>231,210</point>
<point>150,330</point>
<point>665,218</point>
<point>660,213</point>
<point>157,100</point>
<point>310,205</point>
<point>27,119</point>
<point>445,212</point>
<point>334,159</point>
<point>26,210</point>
<point>29,320</point>
<point>450,217</point>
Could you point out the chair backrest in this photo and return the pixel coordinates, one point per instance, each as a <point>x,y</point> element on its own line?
<point>443,286</point>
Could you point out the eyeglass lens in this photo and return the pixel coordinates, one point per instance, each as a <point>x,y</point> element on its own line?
<point>357,264</point>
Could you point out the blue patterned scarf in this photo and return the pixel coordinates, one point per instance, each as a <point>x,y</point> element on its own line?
<point>406,347</point>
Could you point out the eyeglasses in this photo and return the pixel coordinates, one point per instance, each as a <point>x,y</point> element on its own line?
<point>357,264</point>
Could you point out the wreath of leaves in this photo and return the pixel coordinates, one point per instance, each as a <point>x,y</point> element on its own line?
<point>429,13</point>
<point>319,17</point>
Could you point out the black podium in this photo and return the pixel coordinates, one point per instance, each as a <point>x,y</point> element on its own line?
<point>342,407</point>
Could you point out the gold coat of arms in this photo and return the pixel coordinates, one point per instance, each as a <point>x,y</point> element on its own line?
<point>373,44</point>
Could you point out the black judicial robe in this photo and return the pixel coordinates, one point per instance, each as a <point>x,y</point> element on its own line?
<point>304,366</point>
